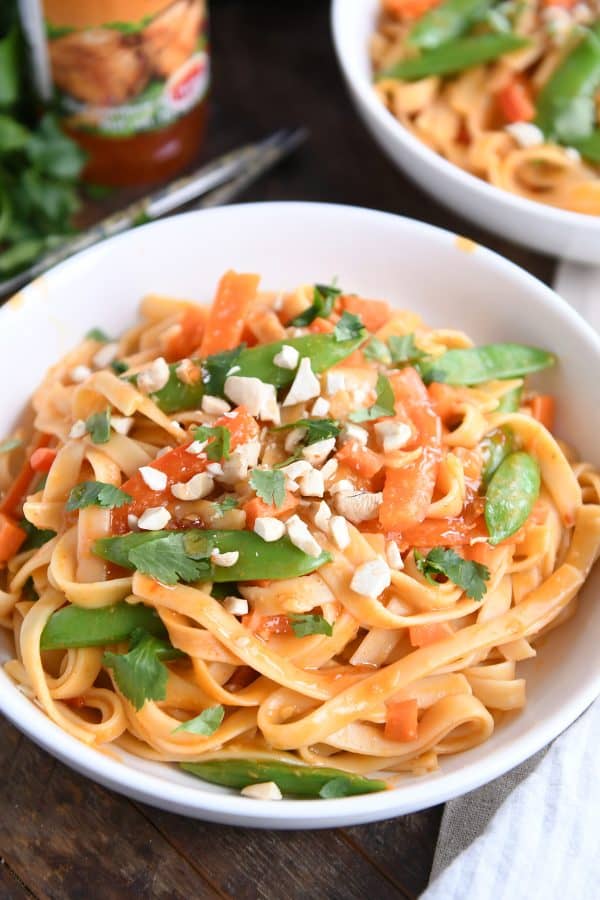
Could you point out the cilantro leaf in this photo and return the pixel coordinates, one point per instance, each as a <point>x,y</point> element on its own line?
<point>97,493</point>
<point>316,429</point>
<point>140,674</point>
<point>206,723</point>
<point>96,334</point>
<point>98,427</point>
<point>303,625</point>
<point>36,537</point>
<point>223,506</point>
<point>118,366</point>
<point>403,349</point>
<point>468,575</point>
<point>219,439</point>
<point>383,406</point>
<point>10,444</point>
<point>166,560</point>
<point>323,299</point>
<point>377,351</point>
<point>269,484</point>
<point>217,367</point>
<point>348,327</point>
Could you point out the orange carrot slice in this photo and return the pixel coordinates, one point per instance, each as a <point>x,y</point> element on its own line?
<point>234,298</point>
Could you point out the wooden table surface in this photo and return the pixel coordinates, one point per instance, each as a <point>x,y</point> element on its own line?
<point>61,835</point>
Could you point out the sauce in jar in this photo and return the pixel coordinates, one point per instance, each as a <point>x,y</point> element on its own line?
<point>130,79</point>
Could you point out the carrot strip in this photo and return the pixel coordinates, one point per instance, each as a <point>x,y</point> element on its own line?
<point>11,537</point>
<point>266,625</point>
<point>234,297</point>
<point>441,532</point>
<point>408,491</point>
<point>321,326</point>
<point>257,508</point>
<point>373,313</point>
<point>543,409</point>
<point>361,460</point>
<point>20,485</point>
<point>423,635</point>
<point>407,10</point>
<point>42,459</point>
<point>401,721</point>
<point>189,337</point>
<point>515,102</point>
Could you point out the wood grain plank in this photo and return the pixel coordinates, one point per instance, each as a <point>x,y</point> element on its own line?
<point>10,886</point>
<point>248,864</point>
<point>66,837</point>
<point>401,848</point>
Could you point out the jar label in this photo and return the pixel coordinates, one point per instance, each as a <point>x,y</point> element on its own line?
<point>120,77</point>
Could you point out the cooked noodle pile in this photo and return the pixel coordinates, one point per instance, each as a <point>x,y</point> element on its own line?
<point>299,551</point>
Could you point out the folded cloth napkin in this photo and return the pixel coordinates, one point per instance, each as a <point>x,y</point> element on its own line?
<point>534,831</point>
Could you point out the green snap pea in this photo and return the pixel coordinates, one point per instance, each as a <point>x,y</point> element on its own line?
<point>589,147</point>
<point>257,558</point>
<point>495,447</point>
<point>511,401</point>
<point>175,396</point>
<point>475,365</point>
<point>455,56</point>
<point>566,105</point>
<point>75,626</point>
<point>323,350</point>
<point>511,494</point>
<point>447,21</point>
<point>302,781</point>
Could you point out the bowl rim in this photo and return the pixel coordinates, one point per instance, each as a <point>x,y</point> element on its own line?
<point>433,789</point>
<point>486,192</point>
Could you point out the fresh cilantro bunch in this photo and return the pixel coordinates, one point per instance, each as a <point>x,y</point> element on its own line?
<point>39,170</point>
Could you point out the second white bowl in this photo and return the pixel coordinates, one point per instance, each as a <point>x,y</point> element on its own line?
<point>547,229</point>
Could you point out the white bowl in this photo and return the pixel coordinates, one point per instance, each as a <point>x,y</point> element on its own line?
<point>557,232</point>
<point>377,254</point>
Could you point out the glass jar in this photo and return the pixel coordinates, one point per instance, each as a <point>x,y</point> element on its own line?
<point>129,81</point>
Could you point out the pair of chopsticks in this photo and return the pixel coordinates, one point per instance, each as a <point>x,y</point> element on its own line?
<point>216,183</point>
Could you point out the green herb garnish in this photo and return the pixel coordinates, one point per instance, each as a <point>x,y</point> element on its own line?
<point>97,493</point>
<point>383,406</point>
<point>324,296</point>
<point>468,575</point>
<point>205,724</point>
<point>140,674</point>
<point>98,427</point>
<point>269,485</point>
<point>303,625</point>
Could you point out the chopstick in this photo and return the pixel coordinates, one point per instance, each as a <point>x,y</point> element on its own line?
<point>218,182</point>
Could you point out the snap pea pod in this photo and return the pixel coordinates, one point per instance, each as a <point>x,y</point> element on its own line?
<point>447,21</point>
<point>323,350</point>
<point>511,494</point>
<point>589,147</point>
<point>455,56</point>
<point>495,447</point>
<point>303,781</point>
<point>75,626</point>
<point>257,558</point>
<point>566,105</point>
<point>511,401</point>
<point>475,365</point>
